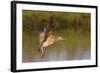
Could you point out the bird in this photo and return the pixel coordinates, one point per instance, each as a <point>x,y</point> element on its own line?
<point>46,37</point>
<point>47,41</point>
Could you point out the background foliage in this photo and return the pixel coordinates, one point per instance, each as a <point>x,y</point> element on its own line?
<point>37,20</point>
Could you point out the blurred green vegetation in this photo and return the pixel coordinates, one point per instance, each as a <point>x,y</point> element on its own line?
<point>35,21</point>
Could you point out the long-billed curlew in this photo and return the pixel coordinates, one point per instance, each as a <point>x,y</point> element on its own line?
<point>49,40</point>
<point>46,37</point>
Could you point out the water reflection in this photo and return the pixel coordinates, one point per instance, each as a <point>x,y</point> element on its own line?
<point>69,49</point>
<point>57,54</point>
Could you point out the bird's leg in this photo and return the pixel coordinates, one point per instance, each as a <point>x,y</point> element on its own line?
<point>41,51</point>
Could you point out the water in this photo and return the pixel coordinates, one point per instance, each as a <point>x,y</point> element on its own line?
<point>76,46</point>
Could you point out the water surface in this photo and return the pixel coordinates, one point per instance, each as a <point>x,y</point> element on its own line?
<point>76,46</point>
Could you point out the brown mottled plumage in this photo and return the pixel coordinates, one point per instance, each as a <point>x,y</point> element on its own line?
<point>50,39</point>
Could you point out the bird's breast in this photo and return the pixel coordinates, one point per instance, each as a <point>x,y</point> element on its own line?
<point>49,41</point>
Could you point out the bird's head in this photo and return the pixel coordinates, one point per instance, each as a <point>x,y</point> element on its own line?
<point>59,38</point>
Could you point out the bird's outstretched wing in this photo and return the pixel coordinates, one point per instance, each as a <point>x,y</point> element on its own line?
<point>48,29</point>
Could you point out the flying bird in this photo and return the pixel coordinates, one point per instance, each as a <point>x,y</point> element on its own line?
<point>47,38</point>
